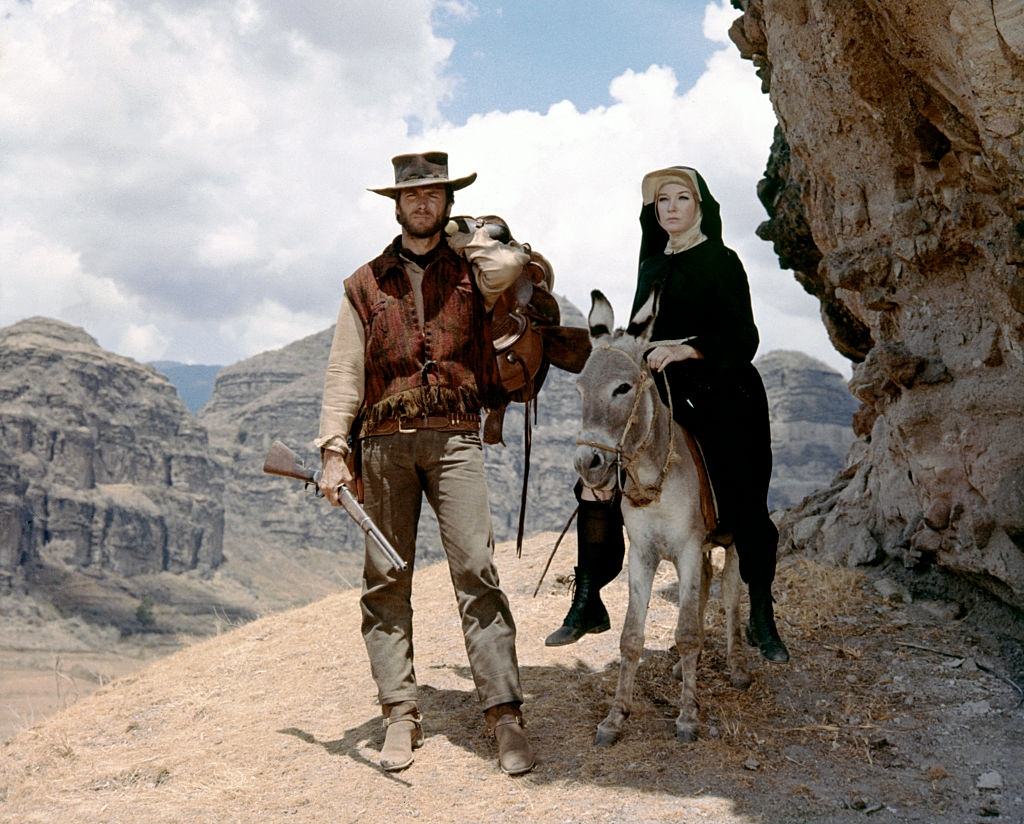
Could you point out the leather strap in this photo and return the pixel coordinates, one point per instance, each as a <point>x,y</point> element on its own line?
<point>707,496</point>
<point>441,423</point>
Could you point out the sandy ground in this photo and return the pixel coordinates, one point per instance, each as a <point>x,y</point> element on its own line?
<point>888,711</point>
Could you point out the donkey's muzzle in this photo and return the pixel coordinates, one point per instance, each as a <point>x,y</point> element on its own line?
<point>595,466</point>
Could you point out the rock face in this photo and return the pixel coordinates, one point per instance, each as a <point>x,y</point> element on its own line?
<point>811,413</point>
<point>101,466</point>
<point>896,188</point>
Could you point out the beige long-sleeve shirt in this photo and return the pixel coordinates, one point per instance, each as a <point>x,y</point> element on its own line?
<point>496,266</point>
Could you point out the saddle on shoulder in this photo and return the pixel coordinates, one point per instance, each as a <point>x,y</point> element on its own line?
<point>527,338</point>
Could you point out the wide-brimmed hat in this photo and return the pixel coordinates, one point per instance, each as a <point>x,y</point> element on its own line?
<point>653,181</point>
<point>426,169</point>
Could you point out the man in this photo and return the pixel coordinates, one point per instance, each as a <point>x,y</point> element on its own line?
<point>412,355</point>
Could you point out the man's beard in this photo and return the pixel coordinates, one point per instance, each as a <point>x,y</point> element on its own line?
<point>421,233</point>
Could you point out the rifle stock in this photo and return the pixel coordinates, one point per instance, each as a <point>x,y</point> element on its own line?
<point>283,462</point>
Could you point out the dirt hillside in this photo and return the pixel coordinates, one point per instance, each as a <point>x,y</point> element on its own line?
<point>275,721</point>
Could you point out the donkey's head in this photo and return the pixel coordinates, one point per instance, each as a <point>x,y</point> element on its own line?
<point>616,407</point>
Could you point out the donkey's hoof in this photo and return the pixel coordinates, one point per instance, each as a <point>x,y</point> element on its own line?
<point>740,679</point>
<point>605,737</point>
<point>686,733</point>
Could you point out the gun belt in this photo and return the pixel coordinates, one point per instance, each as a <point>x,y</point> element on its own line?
<point>441,423</point>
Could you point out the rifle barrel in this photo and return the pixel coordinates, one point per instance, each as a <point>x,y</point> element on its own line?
<point>365,523</point>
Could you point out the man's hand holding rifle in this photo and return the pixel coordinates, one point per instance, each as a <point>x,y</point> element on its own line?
<point>282,461</point>
<point>333,476</point>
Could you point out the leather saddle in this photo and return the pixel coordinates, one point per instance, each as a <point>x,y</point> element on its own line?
<point>527,338</point>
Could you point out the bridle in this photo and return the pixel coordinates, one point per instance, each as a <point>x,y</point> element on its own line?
<point>639,494</point>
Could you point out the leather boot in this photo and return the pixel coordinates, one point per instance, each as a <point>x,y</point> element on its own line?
<point>586,614</point>
<point>403,734</point>
<point>761,630</point>
<point>505,723</point>
<point>600,550</point>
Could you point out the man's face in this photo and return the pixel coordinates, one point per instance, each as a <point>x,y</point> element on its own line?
<point>422,211</point>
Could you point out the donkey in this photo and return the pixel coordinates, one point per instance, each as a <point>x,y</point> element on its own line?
<point>629,438</point>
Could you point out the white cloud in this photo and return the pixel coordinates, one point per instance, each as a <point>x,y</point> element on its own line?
<point>189,175</point>
<point>718,16</point>
<point>459,9</point>
<point>143,342</point>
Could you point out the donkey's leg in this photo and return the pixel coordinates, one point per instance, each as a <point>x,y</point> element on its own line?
<point>642,565</point>
<point>706,572</point>
<point>735,650</point>
<point>689,634</point>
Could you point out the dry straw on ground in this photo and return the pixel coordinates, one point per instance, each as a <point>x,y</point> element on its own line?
<point>275,721</point>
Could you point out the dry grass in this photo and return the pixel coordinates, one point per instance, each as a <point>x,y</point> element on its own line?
<point>275,721</point>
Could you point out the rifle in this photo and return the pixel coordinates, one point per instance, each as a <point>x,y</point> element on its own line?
<point>282,461</point>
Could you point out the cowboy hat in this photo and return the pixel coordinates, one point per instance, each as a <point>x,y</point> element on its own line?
<point>426,169</point>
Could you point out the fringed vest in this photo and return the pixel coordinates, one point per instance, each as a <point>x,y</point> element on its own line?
<point>446,367</point>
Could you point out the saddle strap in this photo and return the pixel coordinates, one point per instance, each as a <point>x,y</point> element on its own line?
<point>707,500</point>
<point>527,443</point>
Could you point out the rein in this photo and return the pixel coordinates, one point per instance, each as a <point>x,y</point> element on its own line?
<point>639,494</point>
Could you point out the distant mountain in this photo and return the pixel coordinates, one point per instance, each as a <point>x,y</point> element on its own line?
<point>194,381</point>
<point>109,493</point>
<point>811,412</point>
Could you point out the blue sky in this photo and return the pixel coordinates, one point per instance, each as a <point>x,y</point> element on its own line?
<point>531,54</point>
<point>186,179</point>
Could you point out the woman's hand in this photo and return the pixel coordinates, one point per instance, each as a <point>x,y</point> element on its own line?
<point>661,356</point>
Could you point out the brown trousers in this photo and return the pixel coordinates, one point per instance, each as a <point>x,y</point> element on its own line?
<point>448,467</point>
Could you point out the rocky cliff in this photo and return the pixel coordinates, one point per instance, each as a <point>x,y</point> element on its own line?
<point>896,190</point>
<point>101,467</point>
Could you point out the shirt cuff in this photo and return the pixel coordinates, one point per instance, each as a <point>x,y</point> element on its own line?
<point>335,443</point>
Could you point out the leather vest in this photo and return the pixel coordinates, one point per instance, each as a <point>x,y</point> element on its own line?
<point>444,368</point>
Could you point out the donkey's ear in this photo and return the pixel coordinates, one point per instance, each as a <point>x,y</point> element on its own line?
<point>642,324</point>
<point>602,317</point>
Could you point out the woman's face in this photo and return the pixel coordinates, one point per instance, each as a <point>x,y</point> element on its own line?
<point>677,208</point>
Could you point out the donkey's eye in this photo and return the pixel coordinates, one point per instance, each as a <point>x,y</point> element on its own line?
<point>622,389</point>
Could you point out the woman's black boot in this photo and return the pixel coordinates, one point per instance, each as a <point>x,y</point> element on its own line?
<point>587,613</point>
<point>601,549</point>
<point>761,630</point>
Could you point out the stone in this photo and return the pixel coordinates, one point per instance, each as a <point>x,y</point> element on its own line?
<point>892,591</point>
<point>990,780</point>
<point>277,394</point>
<point>942,611</point>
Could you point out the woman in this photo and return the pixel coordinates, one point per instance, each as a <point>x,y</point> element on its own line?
<point>716,393</point>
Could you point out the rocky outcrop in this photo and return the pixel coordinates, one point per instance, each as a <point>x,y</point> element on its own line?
<point>897,190</point>
<point>101,466</point>
<point>811,414</point>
